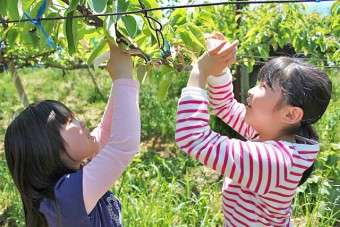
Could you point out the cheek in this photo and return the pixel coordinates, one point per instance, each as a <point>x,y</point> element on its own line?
<point>75,143</point>
<point>248,116</point>
<point>256,115</point>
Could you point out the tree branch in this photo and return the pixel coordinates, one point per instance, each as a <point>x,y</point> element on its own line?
<point>71,67</point>
<point>97,22</point>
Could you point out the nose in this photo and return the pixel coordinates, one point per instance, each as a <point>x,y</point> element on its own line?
<point>82,124</point>
<point>79,123</point>
<point>251,91</point>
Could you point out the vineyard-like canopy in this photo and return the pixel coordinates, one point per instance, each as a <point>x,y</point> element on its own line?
<point>71,34</point>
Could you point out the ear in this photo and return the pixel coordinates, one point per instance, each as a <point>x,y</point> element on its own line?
<point>292,115</point>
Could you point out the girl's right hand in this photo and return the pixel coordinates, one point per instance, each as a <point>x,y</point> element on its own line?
<point>220,55</point>
<point>120,64</point>
<point>213,62</point>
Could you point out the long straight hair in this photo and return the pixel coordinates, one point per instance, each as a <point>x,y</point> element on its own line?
<point>33,148</point>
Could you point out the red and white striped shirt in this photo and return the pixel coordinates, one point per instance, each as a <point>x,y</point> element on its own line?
<point>260,177</point>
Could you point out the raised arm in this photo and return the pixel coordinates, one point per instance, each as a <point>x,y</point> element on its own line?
<point>256,166</point>
<point>251,164</point>
<point>106,168</point>
<point>226,107</point>
<point>103,130</point>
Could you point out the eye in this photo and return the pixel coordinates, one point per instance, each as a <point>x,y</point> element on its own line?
<point>262,84</point>
<point>76,122</point>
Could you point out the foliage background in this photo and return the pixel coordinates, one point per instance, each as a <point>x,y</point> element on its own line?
<point>163,187</point>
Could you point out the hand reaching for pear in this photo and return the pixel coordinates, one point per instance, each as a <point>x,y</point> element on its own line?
<point>120,64</point>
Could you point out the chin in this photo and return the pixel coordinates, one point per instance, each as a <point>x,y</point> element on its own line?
<point>246,120</point>
<point>97,147</point>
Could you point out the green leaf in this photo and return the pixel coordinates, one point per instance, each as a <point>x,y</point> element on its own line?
<point>87,33</point>
<point>49,27</point>
<point>119,6</point>
<point>141,73</point>
<point>49,24</point>
<point>3,8</point>
<point>97,51</point>
<point>97,6</point>
<point>131,25</point>
<point>249,63</point>
<point>167,70</point>
<point>29,37</point>
<point>35,39</point>
<point>71,29</point>
<point>192,37</point>
<point>122,6</point>
<point>20,11</point>
<point>196,34</point>
<point>114,18</point>
<point>12,36</point>
<point>263,50</point>
<point>153,4</point>
<point>322,44</point>
<point>27,4</point>
<point>72,6</point>
<point>3,33</point>
<point>335,10</point>
<point>178,17</point>
<point>25,35</point>
<point>14,9</point>
<point>207,20</point>
<point>35,9</point>
<point>163,87</point>
<point>110,29</point>
<point>111,36</point>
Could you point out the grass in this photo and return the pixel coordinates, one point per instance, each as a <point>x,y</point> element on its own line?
<point>162,186</point>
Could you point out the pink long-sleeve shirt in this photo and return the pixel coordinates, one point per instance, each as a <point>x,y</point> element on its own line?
<point>260,177</point>
<point>119,136</point>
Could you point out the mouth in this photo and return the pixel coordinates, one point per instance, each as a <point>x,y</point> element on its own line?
<point>91,137</point>
<point>248,105</point>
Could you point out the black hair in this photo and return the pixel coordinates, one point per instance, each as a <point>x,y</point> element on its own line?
<point>302,85</point>
<point>33,148</point>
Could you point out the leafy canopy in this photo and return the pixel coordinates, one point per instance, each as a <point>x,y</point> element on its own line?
<point>263,31</point>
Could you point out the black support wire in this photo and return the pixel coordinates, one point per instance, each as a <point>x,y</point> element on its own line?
<point>143,11</point>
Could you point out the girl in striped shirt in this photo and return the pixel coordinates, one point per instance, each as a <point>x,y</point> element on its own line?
<point>263,172</point>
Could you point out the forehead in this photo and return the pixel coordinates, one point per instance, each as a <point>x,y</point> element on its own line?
<point>273,85</point>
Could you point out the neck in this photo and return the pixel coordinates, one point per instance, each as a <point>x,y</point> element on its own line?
<point>288,138</point>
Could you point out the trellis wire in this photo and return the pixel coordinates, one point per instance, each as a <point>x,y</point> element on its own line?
<point>167,8</point>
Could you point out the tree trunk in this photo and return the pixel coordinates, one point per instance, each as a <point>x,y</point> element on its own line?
<point>244,79</point>
<point>18,84</point>
<point>237,82</point>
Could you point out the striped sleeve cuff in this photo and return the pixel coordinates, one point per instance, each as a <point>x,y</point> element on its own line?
<point>194,91</point>
<point>225,78</point>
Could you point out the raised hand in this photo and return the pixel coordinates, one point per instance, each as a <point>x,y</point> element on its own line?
<point>120,64</point>
<point>220,54</point>
<point>214,61</point>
